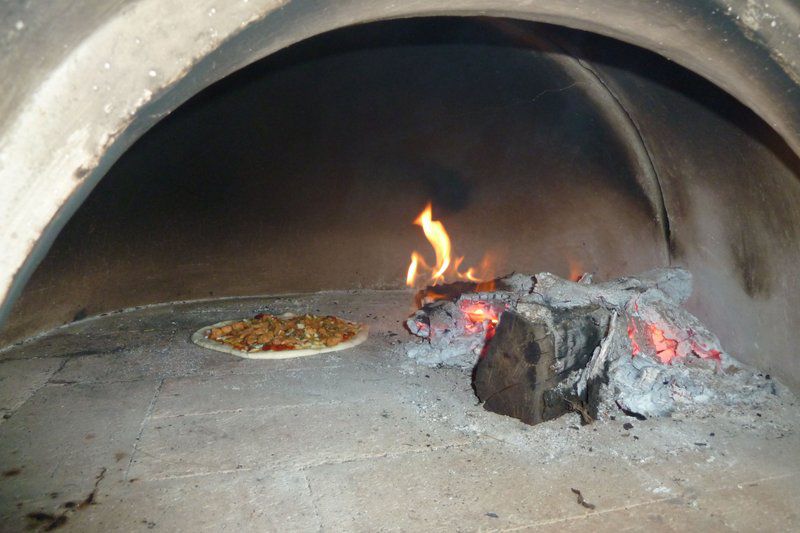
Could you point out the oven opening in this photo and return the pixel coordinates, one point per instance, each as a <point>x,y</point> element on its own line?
<point>426,273</point>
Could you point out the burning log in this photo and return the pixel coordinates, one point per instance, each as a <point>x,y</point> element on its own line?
<point>456,329</point>
<point>536,349</point>
<point>671,284</point>
<point>544,345</point>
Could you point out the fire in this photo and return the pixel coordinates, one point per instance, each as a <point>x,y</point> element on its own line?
<point>483,318</point>
<point>479,313</point>
<point>445,264</point>
<point>666,348</point>
<point>437,236</point>
<point>632,333</point>
<point>576,270</point>
<point>412,269</point>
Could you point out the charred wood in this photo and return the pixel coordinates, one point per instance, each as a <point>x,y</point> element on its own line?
<point>531,364</point>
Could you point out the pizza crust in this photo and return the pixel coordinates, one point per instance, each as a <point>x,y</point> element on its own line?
<point>199,338</point>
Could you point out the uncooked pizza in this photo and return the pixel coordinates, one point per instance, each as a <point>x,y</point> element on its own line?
<point>280,337</point>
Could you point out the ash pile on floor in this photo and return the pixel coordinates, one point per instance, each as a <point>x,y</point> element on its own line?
<point>541,346</point>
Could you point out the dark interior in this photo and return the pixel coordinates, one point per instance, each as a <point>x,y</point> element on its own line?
<point>550,149</point>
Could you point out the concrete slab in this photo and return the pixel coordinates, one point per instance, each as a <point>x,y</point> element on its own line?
<point>19,379</point>
<point>156,343</point>
<point>361,440</point>
<point>276,437</point>
<point>65,436</point>
<point>240,501</point>
<point>349,381</point>
<point>487,486</point>
<point>762,505</point>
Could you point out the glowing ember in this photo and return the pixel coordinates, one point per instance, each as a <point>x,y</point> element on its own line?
<point>482,319</point>
<point>478,313</point>
<point>666,345</point>
<point>666,348</point>
<point>635,350</point>
<point>445,265</point>
<point>483,313</point>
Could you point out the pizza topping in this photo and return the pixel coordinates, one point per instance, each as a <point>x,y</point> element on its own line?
<point>272,333</point>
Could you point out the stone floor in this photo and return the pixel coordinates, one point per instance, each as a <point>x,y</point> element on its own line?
<point>119,423</point>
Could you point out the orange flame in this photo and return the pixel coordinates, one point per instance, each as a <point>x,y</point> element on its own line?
<point>480,313</point>
<point>437,236</point>
<point>575,269</point>
<point>440,241</point>
<point>412,269</point>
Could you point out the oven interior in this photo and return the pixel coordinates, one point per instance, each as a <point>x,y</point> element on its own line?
<point>292,185</point>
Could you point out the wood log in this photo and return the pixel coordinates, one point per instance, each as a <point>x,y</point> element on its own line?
<point>673,284</point>
<point>532,363</point>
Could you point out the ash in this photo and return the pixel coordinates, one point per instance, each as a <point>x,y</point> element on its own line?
<point>655,358</point>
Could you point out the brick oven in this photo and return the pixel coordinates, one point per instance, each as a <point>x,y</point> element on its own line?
<point>168,165</point>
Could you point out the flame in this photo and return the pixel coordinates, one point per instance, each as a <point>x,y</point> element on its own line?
<point>412,270</point>
<point>440,241</point>
<point>483,319</point>
<point>445,264</point>
<point>575,269</point>
<point>480,313</point>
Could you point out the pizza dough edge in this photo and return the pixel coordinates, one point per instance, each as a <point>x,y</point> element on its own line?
<point>199,338</point>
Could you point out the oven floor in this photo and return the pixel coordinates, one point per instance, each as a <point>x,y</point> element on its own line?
<point>121,424</point>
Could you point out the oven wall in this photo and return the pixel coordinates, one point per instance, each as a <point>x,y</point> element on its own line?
<point>732,192</point>
<point>305,172</point>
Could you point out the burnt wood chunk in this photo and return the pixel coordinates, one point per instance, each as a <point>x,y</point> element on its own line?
<point>528,369</point>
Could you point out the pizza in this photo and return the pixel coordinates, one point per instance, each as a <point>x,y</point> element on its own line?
<point>283,336</point>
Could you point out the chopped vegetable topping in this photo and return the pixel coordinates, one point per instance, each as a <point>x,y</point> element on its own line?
<point>271,333</point>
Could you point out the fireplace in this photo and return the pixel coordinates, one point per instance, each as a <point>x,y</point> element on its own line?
<point>291,185</point>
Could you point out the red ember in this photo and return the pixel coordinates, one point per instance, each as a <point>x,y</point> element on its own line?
<point>665,346</point>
